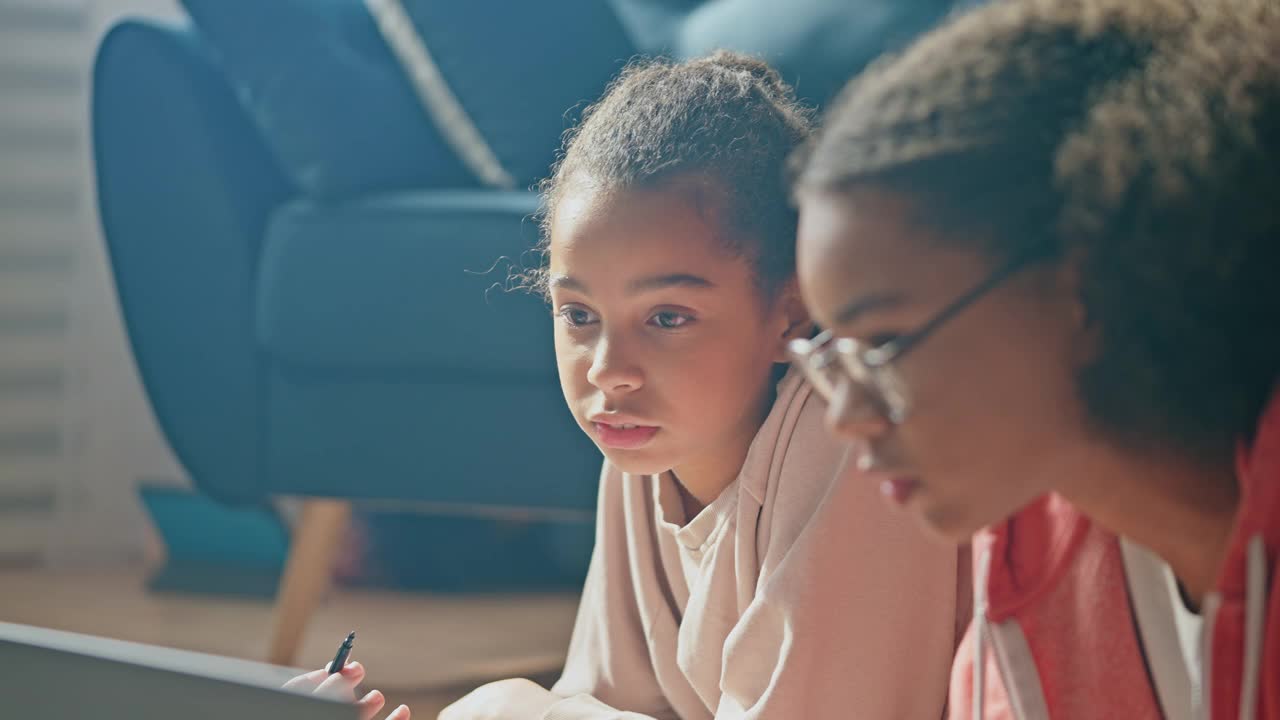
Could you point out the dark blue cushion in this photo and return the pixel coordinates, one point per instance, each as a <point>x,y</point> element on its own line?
<point>817,45</point>
<point>523,69</point>
<point>409,283</point>
<point>326,94</point>
<point>454,438</point>
<point>343,118</point>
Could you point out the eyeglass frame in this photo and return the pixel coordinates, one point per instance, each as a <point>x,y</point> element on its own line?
<point>812,356</point>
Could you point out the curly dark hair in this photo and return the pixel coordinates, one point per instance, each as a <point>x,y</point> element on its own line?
<point>728,122</point>
<point>1139,137</point>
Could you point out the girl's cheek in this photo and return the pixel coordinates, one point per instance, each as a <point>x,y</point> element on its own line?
<point>573,357</point>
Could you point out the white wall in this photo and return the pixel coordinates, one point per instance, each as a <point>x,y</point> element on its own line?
<point>41,229</point>
<point>112,438</point>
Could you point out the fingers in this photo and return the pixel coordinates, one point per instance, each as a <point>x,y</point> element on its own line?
<point>342,685</point>
<point>309,681</point>
<point>349,669</point>
<point>370,704</point>
<point>400,713</point>
<point>306,682</point>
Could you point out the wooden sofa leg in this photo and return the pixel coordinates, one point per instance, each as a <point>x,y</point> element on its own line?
<point>307,574</point>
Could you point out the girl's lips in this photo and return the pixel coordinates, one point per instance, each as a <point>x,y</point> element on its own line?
<point>899,488</point>
<point>624,438</point>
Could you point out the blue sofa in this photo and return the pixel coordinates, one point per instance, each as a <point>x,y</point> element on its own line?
<point>362,345</point>
<point>361,348</point>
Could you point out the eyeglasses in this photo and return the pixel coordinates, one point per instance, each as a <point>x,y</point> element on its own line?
<point>827,360</point>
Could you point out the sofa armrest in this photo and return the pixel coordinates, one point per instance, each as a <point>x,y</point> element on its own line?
<point>185,186</point>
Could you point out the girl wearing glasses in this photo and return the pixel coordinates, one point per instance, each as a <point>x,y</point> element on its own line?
<point>1044,241</point>
<point>721,584</point>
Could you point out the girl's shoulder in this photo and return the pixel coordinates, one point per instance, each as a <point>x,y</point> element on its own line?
<point>794,460</point>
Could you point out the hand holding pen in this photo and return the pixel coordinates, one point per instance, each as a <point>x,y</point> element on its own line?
<point>338,681</point>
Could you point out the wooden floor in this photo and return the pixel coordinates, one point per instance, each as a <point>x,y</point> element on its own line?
<point>423,650</point>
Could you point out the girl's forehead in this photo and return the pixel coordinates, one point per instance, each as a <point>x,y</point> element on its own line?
<point>869,244</point>
<point>856,236</point>
<point>586,199</point>
<point>637,227</point>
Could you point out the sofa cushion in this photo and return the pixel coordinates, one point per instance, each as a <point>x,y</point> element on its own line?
<point>412,282</point>
<point>519,71</point>
<point>817,45</point>
<point>327,95</point>
<point>457,443</point>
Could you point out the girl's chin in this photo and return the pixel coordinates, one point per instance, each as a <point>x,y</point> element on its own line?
<point>946,522</point>
<point>635,462</point>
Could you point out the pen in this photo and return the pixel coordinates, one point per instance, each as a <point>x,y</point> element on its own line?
<point>340,660</point>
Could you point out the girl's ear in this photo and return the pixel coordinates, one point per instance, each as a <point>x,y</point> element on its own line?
<point>794,321</point>
<point>1068,284</point>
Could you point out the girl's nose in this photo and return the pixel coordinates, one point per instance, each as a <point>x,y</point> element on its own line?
<point>611,370</point>
<point>854,412</point>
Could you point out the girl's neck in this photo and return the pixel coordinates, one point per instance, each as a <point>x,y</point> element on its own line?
<point>1180,509</point>
<point>704,478</point>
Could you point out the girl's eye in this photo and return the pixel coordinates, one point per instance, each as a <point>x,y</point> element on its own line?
<point>881,339</point>
<point>670,319</point>
<point>575,316</point>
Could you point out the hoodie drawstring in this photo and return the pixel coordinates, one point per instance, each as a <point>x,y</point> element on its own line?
<point>1255,599</point>
<point>980,634</point>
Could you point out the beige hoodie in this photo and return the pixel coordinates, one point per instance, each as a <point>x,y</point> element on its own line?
<point>796,594</point>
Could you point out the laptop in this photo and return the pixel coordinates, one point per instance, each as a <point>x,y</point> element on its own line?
<point>54,674</point>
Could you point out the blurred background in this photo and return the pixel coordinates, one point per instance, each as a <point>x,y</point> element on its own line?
<point>264,377</point>
<point>71,405</point>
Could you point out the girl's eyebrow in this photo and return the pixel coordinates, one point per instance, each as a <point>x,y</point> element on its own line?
<point>661,282</point>
<point>866,304</point>
<point>565,282</point>
<point>641,285</point>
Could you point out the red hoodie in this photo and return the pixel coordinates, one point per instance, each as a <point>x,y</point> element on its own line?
<point>1053,622</point>
<point>1242,616</point>
<point>1058,621</point>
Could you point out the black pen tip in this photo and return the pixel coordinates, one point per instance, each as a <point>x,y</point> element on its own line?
<point>352,636</point>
